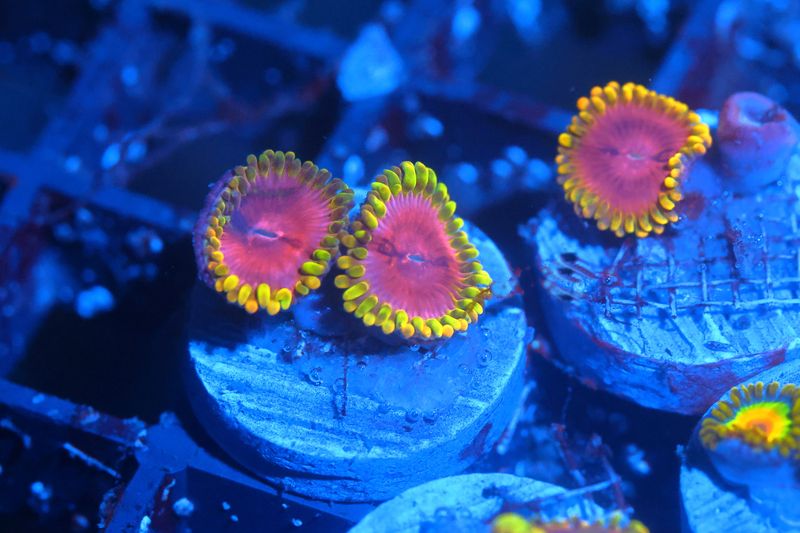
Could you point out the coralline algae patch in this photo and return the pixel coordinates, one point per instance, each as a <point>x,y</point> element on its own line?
<point>739,472</point>
<point>673,321</point>
<point>757,139</point>
<point>352,417</point>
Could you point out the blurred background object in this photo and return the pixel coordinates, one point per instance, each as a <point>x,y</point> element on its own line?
<point>118,114</point>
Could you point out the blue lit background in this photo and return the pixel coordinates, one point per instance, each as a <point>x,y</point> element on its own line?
<point>118,114</point>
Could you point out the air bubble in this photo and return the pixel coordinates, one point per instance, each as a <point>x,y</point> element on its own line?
<point>314,376</point>
<point>516,154</point>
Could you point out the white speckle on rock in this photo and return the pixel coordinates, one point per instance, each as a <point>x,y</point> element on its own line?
<point>41,491</point>
<point>371,66</point>
<point>183,507</point>
<point>94,301</point>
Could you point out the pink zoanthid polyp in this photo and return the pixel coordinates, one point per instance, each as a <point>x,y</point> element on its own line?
<point>624,156</point>
<point>410,267</point>
<point>270,230</point>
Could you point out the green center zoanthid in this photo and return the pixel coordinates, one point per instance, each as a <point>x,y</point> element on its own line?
<point>770,419</point>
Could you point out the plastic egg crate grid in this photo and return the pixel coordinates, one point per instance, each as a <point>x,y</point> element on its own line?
<point>91,196</point>
<point>706,280</point>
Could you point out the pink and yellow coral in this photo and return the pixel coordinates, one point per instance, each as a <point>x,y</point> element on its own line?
<point>615,523</point>
<point>270,231</point>
<point>410,267</point>
<point>622,160</point>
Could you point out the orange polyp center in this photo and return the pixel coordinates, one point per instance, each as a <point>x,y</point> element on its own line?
<point>769,419</point>
<point>410,264</point>
<point>623,157</point>
<point>276,227</point>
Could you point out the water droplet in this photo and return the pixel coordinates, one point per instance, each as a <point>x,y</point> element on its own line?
<point>110,156</point>
<point>314,376</point>
<point>428,126</point>
<point>443,512</point>
<point>371,66</point>
<point>412,415</point>
<point>376,139</point>
<point>502,168</point>
<point>72,164</point>
<point>464,512</point>
<point>361,365</point>
<point>296,522</point>
<point>136,151</point>
<point>463,368</point>
<point>353,168</point>
<point>484,359</point>
<point>430,416</point>
<point>466,22</point>
<point>129,75</point>
<point>516,154</point>
<point>467,173</point>
<point>743,322</point>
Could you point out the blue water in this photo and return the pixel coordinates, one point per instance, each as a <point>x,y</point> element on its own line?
<point>118,115</point>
